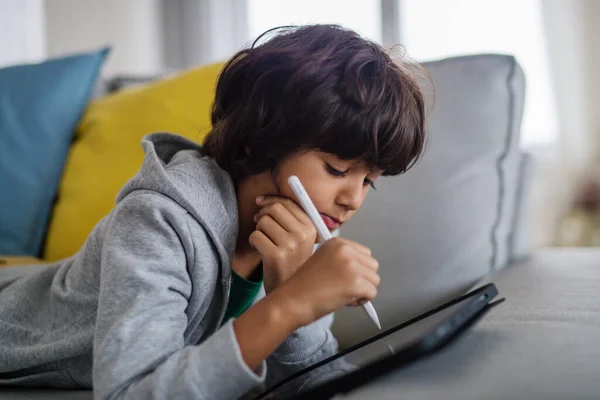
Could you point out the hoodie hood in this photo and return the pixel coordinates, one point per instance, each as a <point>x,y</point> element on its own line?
<point>177,168</point>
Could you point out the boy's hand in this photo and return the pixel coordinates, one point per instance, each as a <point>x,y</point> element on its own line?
<point>284,237</point>
<point>340,273</point>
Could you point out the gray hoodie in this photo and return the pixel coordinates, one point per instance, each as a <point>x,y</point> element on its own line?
<point>137,312</point>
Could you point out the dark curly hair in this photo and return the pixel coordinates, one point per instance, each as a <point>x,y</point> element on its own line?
<point>319,87</point>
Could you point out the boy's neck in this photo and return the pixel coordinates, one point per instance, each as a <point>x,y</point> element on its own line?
<point>248,266</point>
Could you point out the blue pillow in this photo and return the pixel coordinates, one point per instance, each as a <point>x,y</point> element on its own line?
<point>40,106</point>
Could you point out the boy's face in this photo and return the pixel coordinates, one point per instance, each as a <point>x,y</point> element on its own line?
<point>337,187</point>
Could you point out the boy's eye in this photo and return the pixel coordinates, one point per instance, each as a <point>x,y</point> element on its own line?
<point>335,172</point>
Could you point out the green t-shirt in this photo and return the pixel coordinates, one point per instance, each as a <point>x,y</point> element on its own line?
<point>241,295</point>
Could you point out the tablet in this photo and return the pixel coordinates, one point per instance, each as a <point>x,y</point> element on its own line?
<point>389,350</point>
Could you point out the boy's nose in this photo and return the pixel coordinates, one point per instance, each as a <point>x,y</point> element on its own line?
<point>351,197</point>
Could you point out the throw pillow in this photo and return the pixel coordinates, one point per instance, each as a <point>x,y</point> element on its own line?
<point>107,151</point>
<point>40,105</point>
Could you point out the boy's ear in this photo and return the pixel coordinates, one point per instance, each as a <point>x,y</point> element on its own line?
<point>247,149</point>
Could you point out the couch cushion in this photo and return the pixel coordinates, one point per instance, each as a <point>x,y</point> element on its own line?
<point>447,222</point>
<point>40,105</point>
<point>107,150</point>
<point>44,394</point>
<point>541,343</point>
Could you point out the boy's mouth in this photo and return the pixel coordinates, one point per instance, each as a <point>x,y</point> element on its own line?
<point>331,223</point>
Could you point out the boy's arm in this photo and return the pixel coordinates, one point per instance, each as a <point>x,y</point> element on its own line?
<point>305,347</point>
<point>145,286</point>
<point>302,348</point>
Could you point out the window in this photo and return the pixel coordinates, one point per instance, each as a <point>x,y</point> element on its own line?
<point>363,16</point>
<point>441,28</point>
<point>22,27</point>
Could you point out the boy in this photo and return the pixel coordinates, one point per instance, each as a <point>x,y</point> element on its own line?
<point>156,304</point>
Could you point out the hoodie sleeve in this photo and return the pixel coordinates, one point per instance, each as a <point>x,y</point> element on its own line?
<point>305,347</point>
<point>139,350</point>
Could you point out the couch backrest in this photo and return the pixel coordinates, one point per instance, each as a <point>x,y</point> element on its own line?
<point>461,211</point>
<point>446,223</point>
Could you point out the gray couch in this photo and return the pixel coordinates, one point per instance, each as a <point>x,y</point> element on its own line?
<point>454,222</point>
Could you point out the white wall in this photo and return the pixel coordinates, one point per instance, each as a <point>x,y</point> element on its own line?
<point>133,27</point>
<point>21,31</point>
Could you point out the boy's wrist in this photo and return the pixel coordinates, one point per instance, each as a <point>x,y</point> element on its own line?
<point>284,308</point>
<point>264,326</point>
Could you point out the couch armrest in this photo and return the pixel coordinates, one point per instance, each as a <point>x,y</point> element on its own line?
<point>519,241</point>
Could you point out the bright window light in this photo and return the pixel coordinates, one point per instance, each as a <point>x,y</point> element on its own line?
<point>363,16</point>
<point>440,28</point>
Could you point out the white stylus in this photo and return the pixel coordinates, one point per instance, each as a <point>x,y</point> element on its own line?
<point>322,230</point>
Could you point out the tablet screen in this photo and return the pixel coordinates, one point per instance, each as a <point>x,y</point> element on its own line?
<point>373,349</point>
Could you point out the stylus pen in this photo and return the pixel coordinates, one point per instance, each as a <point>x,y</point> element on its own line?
<point>322,230</point>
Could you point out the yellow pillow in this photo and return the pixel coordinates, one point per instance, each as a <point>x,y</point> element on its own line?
<point>107,150</point>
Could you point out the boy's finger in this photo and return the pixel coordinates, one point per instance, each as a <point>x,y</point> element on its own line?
<point>262,243</point>
<point>373,277</point>
<point>367,261</point>
<point>362,248</point>
<point>280,214</point>
<point>272,230</point>
<point>265,200</point>
<point>290,204</point>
